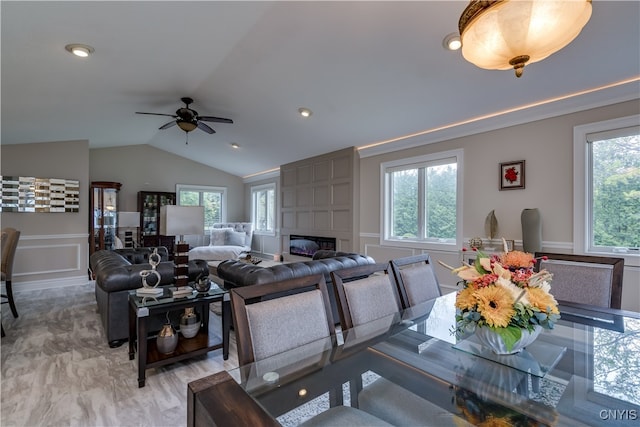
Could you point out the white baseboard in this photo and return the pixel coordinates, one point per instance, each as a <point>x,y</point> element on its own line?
<point>37,285</point>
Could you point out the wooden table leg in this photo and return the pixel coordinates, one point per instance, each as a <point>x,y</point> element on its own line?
<point>142,349</point>
<point>226,325</point>
<point>132,332</point>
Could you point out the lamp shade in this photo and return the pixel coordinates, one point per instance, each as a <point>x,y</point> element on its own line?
<point>504,34</point>
<point>128,219</point>
<point>181,220</point>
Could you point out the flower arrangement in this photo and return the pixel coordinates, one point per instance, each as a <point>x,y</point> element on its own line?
<point>502,292</point>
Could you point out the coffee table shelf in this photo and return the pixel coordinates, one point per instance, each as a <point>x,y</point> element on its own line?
<point>186,349</point>
<point>142,341</point>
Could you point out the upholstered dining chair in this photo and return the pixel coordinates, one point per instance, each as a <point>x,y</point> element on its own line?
<point>584,279</point>
<point>364,293</point>
<point>260,313</point>
<point>273,318</point>
<point>10,237</point>
<point>415,279</point>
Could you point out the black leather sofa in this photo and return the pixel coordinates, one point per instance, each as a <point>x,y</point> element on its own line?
<point>238,273</point>
<point>117,272</point>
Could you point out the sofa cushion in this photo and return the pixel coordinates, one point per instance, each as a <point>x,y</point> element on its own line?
<point>235,238</point>
<point>219,236</point>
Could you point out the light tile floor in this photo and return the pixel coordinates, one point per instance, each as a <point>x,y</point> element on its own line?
<point>58,370</point>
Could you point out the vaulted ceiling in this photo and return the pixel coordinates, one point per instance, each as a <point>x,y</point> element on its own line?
<point>369,71</point>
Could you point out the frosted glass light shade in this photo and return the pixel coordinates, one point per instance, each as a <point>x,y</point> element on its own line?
<point>504,34</point>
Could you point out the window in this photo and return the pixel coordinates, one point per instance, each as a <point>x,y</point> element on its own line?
<point>423,201</point>
<point>607,184</point>
<point>214,200</point>
<point>263,210</point>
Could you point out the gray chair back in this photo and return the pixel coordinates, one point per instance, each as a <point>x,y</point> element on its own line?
<point>275,317</point>
<point>584,279</point>
<point>364,293</point>
<point>415,279</point>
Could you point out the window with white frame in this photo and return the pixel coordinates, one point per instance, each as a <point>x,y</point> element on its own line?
<point>263,208</point>
<point>607,181</point>
<point>422,201</point>
<point>214,200</point>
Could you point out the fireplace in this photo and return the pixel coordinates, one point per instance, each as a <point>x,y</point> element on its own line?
<point>308,245</point>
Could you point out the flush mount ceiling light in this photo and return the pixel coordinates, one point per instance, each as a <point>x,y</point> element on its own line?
<point>504,34</point>
<point>452,42</point>
<point>235,145</point>
<point>81,50</point>
<point>304,112</point>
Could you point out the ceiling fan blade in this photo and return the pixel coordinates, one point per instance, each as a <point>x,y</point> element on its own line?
<point>167,125</point>
<point>214,119</point>
<point>159,114</point>
<point>205,128</point>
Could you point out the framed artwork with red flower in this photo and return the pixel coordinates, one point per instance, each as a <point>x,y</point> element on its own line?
<point>512,175</point>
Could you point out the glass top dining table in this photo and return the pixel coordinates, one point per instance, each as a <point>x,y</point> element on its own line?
<point>586,371</point>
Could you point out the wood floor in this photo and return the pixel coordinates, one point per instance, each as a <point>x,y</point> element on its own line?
<point>57,369</point>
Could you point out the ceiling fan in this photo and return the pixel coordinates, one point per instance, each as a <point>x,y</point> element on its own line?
<point>188,119</point>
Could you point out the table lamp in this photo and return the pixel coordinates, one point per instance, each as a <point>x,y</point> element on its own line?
<point>181,221</point>
<point>128,220</point>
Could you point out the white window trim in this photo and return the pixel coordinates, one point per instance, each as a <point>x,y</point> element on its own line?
<point>384,198</point>
<point>269,186</point>
<point>211,189</point>
<point>581,185</point>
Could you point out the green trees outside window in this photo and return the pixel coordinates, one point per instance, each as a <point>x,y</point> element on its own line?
<point>421,200</point>
<point>615,195</point>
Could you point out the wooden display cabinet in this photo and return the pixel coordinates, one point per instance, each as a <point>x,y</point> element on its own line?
<point>103,221</point>
<point>149,204</point>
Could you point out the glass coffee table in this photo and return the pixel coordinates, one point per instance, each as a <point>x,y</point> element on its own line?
<point>142,340</point>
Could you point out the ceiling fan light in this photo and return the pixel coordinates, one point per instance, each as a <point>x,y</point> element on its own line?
<point>496,35</point>
<point>186,126</point>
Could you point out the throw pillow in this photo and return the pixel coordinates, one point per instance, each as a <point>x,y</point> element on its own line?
<point>235,238</point>
<point>219,236</point>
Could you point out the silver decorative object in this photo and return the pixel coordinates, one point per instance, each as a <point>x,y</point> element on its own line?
<point>167,339</point>
<point>154,260</point>
<point>189,323</point>
<point>202,285</point>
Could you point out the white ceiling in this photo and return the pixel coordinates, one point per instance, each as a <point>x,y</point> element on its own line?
<point>369,71</point>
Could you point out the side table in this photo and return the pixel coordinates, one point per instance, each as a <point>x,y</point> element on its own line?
<point>141,309</point>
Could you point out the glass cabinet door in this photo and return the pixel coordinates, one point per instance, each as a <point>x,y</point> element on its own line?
<point>104,212</point>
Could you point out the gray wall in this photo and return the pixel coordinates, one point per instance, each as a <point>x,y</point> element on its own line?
<point>146,168</point>
<point>53,247</point>
<point>547,147</point>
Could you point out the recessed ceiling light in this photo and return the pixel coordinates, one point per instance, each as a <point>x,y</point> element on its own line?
<point>305,112</point>
<point>452,42</point>
<point>81,50</point>
<point>235,145</point>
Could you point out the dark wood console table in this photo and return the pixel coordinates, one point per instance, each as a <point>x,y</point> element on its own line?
<point>142,341</point>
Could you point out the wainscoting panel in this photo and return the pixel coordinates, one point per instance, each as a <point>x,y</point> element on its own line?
<point>48,261</point>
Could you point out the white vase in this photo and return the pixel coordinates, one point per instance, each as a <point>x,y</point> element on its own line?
<point>491,339</point>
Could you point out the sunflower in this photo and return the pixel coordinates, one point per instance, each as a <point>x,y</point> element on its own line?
<point>466,299</point>
<point>495,306</point>
<point>542,300</point>
<point>517,259</point>
<point>492,421</point>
